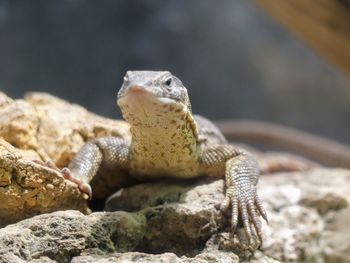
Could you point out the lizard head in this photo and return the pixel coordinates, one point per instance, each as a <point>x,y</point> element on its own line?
<point>150,95</point>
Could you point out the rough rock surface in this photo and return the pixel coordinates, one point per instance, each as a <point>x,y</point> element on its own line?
<point>42,127</point>
<point>308,222</point>
<point>166,221</point>
<point>52,127</point>
<point>27,188</point>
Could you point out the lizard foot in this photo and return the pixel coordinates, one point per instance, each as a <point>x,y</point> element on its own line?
<point>247,205</point>
<point>83,187</point>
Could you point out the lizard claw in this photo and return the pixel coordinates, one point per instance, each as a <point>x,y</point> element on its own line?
<point>246,206</point>
<point>83,187</point>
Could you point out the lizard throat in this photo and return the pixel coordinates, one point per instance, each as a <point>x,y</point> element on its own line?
<point>164,137</point>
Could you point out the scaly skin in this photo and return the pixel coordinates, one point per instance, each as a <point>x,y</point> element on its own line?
<point>168,141</point>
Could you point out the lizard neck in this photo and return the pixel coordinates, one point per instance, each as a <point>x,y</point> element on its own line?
<point>164,143</point>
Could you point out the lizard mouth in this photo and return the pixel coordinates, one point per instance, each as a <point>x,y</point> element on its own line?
<point>142,95</point>
<point>139,104</point>
<point>137,90</point>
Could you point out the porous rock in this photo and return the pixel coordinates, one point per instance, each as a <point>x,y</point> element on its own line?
<point>28,188</point>
<point>188,228</point>
<point>62,235</point>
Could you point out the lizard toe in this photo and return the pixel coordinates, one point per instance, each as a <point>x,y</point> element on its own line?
<point>86,188</point>
<point>83,187</point>
<point>49,164</point>
<point>260,208</point>
<point>246,221</point>
<point>255,219</point>
<point>248,208</point>
<point>234,216</point>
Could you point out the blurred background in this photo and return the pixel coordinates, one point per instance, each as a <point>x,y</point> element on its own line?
<point>237,61</point>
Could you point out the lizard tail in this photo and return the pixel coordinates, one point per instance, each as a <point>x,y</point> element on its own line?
<point>315,147</point>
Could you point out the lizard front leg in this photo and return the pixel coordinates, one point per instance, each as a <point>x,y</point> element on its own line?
<point>241,176</point>
<point>108,151</point>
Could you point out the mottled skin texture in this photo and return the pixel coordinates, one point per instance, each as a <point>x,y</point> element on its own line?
<point>168,141</point>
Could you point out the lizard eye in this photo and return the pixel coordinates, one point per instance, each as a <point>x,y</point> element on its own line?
<point>168,82</point>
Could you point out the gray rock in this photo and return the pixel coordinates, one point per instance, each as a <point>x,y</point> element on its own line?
<point>63,235</point>
<point>128,257</point>
<point>336,237</point>
<point>165,257</point>
<point>176,222</point>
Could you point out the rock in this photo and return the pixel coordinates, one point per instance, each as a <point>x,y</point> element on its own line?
<point>165,257</point>
<point>19,122</point>
<point>128,257</point>
<point>297,222</point>
<point>152,194</point>
<point>27,188</point>
<point>186,227</point>
<point>62,235</point>
<point>189,216</point>
<point>336,237</point>
<point>298,217</point>
<point>213,257</point>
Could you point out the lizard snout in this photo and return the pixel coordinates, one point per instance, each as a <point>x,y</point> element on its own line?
<point>137,89</point>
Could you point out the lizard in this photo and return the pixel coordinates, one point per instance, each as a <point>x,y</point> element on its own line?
<point>169,141</point>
